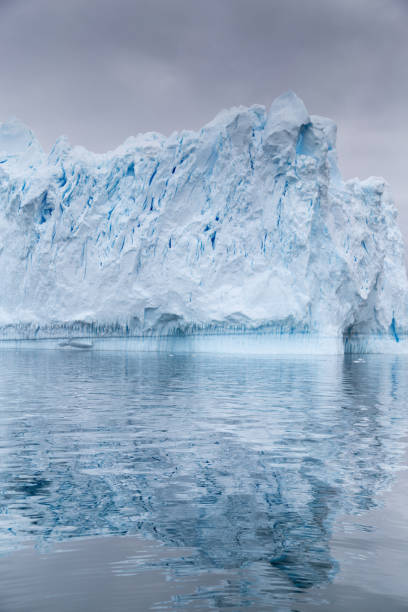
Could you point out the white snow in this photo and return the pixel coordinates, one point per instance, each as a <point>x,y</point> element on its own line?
<point>245,227</point>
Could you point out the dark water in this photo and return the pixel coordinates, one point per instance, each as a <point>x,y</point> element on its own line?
<point>145,481</point>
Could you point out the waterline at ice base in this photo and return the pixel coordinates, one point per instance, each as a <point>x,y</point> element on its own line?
<point>241,237</point>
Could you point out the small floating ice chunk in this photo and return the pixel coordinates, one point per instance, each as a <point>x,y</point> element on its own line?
<point>78,344</point>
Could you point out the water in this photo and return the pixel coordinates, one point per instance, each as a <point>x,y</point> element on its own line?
<point>134,482</point>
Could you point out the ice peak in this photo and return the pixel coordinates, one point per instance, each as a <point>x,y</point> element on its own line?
<point>16,138</point>
<point>287,111</point>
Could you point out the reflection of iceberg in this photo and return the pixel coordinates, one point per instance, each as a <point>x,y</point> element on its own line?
<point>245,461</point>
<point>244,227</point>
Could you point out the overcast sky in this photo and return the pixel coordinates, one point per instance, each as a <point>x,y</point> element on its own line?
<point>101,70</point>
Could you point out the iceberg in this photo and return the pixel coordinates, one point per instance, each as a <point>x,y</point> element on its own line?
<point>240,237</point>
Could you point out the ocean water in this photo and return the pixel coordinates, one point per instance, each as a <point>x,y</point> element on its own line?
<point>143,481</point>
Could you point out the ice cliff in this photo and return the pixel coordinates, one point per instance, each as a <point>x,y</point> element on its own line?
<point>243,227</point>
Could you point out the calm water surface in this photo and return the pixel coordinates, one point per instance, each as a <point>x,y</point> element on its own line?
<point>132,482</point>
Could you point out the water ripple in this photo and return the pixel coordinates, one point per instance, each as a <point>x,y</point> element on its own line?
<point>244,462</point>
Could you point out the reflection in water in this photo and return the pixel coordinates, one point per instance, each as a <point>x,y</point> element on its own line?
<point>246,462</point>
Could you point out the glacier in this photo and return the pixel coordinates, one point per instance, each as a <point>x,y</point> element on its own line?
<point>241,237</point>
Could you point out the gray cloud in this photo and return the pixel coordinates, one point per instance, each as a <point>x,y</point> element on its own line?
<point>99,70</point>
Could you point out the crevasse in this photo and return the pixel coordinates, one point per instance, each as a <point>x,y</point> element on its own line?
<point>240,237</point>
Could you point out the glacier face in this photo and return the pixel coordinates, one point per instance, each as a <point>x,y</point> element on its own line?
<point>244,226</point>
